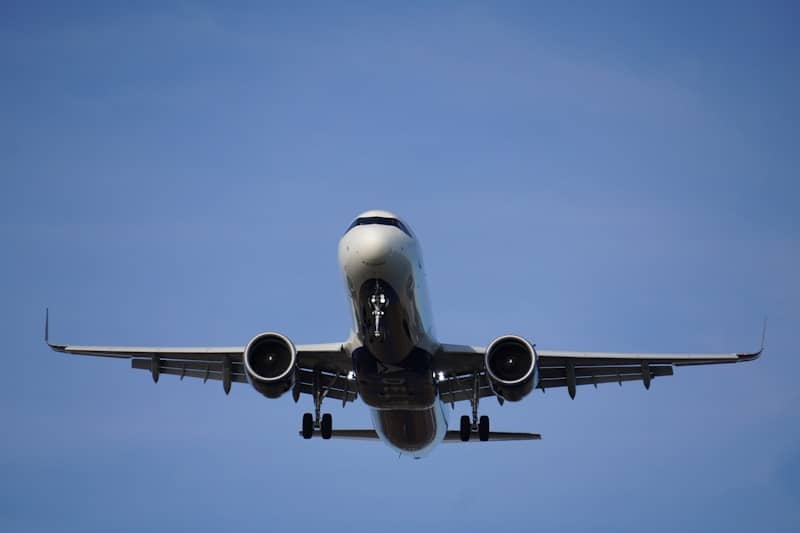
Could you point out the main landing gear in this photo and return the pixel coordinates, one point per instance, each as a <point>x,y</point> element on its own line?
<point>476,425</point>
<point>322,423</point>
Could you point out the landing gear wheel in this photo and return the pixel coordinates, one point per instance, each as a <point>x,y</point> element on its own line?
<point>466,428</point>
<point>308,426</point>
<point>483,428</point>
<point>326,427</point>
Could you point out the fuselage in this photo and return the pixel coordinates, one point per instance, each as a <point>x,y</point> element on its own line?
<point>393,338</point>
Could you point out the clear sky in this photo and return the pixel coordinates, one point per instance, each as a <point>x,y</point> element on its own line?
<point>620,177</point>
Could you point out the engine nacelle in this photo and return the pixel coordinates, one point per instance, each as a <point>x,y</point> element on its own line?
<point>511,367</point>
<point>269,362</point>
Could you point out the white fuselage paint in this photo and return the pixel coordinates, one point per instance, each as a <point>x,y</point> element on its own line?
<point>387,253</point>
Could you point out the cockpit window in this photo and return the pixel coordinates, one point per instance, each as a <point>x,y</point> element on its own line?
<point>386,221</point>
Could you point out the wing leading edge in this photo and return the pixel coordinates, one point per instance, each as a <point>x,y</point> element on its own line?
<point>460,364</point>
<point>224,363</point>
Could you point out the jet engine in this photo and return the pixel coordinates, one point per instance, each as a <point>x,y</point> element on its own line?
<point>269,362</point>
<point>511,367</point>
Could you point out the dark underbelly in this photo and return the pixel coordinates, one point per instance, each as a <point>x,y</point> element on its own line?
<point>405,385</point>
<point>409,431</point>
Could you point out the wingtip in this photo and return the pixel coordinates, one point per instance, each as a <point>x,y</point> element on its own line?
<point>54,347</point>
<point>755,355</point>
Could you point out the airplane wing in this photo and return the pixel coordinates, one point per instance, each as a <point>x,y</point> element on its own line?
<point>225,364</point>
<point>463,367</point>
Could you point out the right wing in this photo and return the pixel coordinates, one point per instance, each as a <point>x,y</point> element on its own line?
<point>463,368</point>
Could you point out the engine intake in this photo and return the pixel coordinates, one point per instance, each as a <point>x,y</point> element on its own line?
<point>269,361</point>
<point>511,367</point>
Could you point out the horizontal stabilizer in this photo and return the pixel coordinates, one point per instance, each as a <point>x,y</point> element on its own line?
<point>349,434</point>
<point>451,436</point>
<point>455,436</point>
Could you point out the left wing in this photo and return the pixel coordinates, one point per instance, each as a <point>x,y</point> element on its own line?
<point>329,361</point>
<point>463,367</point>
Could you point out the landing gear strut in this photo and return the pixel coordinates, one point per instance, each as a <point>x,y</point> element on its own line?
<point>379,302</point>
<point>475,425</point>
<point>323,423</point>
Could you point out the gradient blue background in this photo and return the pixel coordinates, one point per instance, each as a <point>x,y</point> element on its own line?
<point>615,178</point>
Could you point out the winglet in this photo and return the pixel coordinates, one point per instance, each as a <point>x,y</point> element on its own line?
<point>54,347</point>
<point>755,355</point>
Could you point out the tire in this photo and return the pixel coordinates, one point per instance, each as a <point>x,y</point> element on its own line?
<point>326,427</point>
<point>483,428</point>
<point>308,426</point>
<point>466,428</point>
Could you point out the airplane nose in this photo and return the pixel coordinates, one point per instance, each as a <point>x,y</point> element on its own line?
<point>374,248</point>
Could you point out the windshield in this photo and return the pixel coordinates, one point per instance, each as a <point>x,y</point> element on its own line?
<point>380,220</point>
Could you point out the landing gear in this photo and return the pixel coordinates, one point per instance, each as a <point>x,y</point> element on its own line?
<point>466,429</point>
<point>323,424</point>
<point>481,426</point>
<point>318,421</point>
<point>308,426</point>
<point>326,428</point>
<point>379,302</point>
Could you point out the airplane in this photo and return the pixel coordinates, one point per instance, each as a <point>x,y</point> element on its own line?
<point>392,359</point>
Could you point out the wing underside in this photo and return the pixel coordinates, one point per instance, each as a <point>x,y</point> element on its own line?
<point>463,367</point>
<point>328,363</point>
<point>460,367</point>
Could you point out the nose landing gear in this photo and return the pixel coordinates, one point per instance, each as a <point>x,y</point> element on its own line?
<point>379,302</point>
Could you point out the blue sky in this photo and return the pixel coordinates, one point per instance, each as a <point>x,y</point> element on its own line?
<point>615,179</point>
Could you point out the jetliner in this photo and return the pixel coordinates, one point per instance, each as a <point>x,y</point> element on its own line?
<point>392,359</point>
